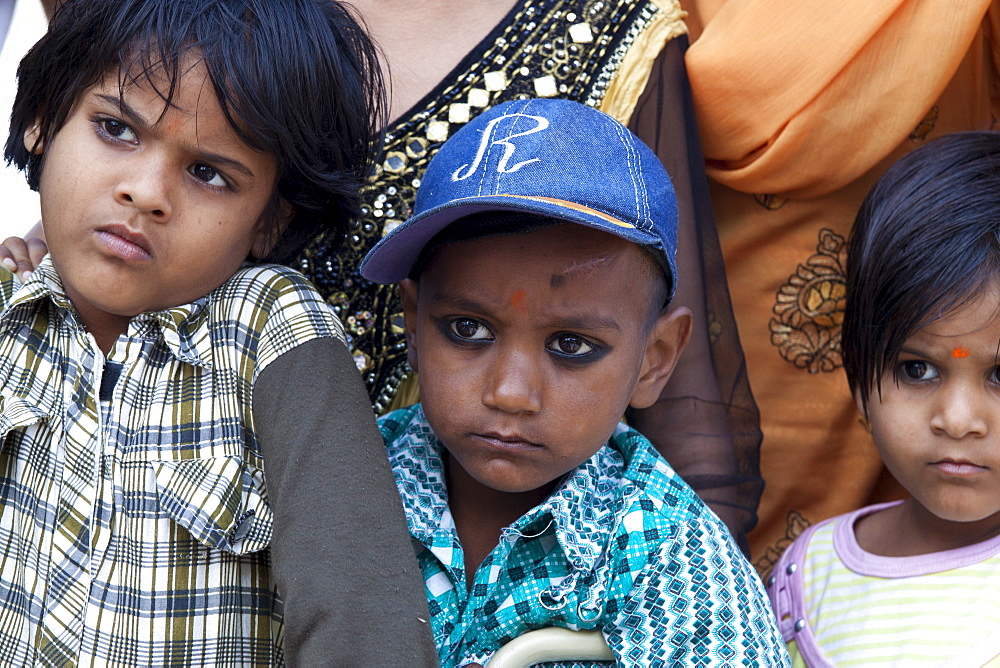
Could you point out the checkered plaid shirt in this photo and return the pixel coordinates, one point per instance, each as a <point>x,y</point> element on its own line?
<point>133,531</point>
<point>622,544</point>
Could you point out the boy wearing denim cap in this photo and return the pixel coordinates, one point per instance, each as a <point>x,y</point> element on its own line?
<point>536,275</point>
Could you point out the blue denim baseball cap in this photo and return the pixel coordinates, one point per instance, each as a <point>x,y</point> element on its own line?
<point>555,158</point>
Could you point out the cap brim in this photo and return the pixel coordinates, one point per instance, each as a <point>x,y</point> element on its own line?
<point>393,257</point>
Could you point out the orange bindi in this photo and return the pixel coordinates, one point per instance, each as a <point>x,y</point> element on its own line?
<point>519,301</point>
<point>959,353</point>
<point>173,125</point>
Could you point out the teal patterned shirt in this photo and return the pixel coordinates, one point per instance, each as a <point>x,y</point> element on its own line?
<point>622,545</point>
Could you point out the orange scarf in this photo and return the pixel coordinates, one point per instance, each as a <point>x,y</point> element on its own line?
<point>804,103</point>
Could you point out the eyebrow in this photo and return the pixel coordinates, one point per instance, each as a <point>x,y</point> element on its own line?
<point>905,350</point>
<point>948,352</point>
<point>137,119</point>
<point>585,321</point>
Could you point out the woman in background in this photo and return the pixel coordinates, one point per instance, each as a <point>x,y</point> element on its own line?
<point>801,107</point>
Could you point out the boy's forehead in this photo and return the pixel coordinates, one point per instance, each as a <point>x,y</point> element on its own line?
<point>562,247</point>
<point>559,255</point>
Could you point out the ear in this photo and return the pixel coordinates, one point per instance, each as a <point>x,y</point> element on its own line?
<point>666,340</point>
<point>33,140</point>
<point>266,238</point>
<point>408,296</point>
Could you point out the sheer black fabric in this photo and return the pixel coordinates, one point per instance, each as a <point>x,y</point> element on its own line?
<point>705,423</point>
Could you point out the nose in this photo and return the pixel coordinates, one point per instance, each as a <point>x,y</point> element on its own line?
<point>959,413</point>
<point>145,187</point>
<point>514,383</point>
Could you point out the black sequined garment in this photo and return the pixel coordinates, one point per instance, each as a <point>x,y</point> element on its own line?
<point>543,48</point>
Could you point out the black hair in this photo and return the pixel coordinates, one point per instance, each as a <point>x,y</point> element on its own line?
<point>496,223</point>
<point>296,79</point>
<point>926,241</point>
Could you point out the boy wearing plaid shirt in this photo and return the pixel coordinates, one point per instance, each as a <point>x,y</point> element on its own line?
<point>145,391</point>
<point>537,272</point>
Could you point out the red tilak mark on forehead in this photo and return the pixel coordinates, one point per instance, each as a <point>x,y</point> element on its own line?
<point>519,301</point>
<point>173,125</point>
<point>960,352</point>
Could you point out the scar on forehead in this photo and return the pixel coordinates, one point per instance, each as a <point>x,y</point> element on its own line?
<point>959,353</point>
<point>519,301</point>
<point>581,267</point>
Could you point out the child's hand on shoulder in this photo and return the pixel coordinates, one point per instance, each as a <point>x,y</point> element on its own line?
<point>21,256</point>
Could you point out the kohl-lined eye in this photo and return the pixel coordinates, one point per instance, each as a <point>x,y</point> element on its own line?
<point>570,345</point>
<point>470,329</point>
<point>917,370</point>
<point>207,173</point>
<point>118,130</point>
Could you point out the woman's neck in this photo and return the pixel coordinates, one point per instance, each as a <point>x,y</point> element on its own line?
<point>423,40</point>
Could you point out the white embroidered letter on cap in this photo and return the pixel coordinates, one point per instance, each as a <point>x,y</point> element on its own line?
<point>509,147</point>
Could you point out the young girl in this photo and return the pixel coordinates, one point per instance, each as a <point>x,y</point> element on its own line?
<point>914,582</point>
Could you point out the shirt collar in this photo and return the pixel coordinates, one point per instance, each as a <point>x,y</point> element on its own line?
<point>587,503</point>
<point>584,506</point>
<point>44,282</point>
<point>415,456</point>
<point>184,329</point>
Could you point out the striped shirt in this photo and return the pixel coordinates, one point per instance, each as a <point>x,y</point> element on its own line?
<point>622,545</point>
<point>843,606</point>
<point>134,519</point>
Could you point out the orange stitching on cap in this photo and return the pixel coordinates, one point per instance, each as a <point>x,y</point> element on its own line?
<point>576,207</point>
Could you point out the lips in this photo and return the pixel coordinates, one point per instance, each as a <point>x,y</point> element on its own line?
<point>509,442</point>
<point>124,243</point>
<point>958,467</point>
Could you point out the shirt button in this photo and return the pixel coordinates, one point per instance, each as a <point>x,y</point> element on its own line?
<point>799,625</point>
<point>791,568</point>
